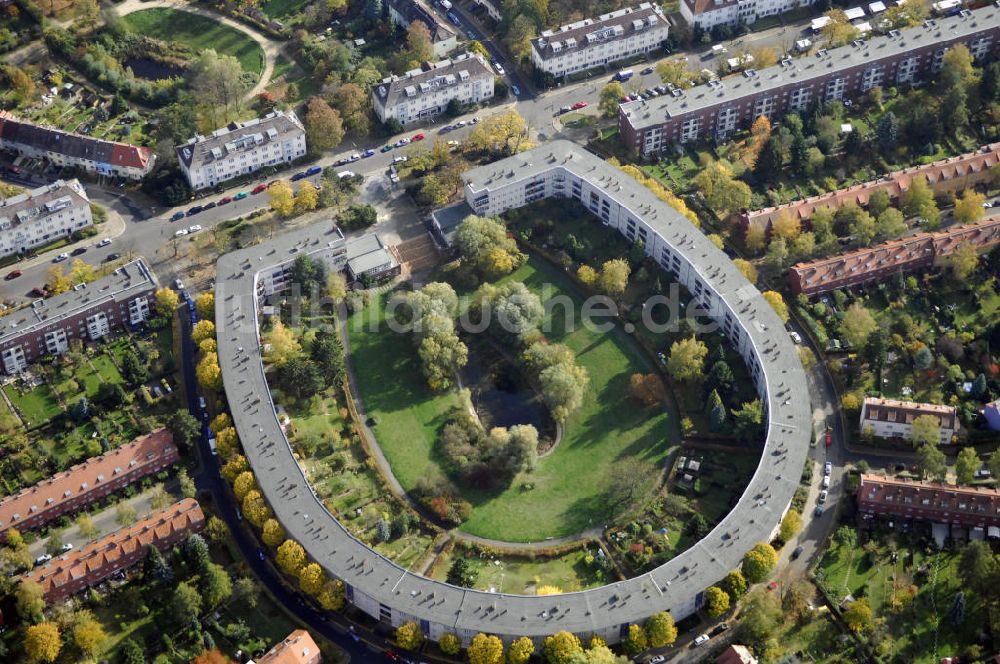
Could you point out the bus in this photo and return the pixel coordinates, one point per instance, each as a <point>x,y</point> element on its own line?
<point>624,75</point>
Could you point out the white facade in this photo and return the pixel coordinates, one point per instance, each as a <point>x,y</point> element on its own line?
<point>443,37</point>
<point>710,13</point>
<point>888,418</point>
<point>42,215</point>
<point>242,148</point>
<point>420,94</point>
<point>597,42</point>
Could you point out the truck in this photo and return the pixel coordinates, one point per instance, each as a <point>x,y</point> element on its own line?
<point>624,75</point>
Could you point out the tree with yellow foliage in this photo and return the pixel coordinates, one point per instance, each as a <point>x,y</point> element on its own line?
<point>969,207</point>
<point>208,373</point>
<point>221,421</point>
<point>234,467</point>
<point>660,629</point>
<point>281,197</point>
<point>548,590</point>
<point>722,191</point>
<point>755,238</point>
<point>208,346</point>
<point>227,442</point>
<point>166,300</point>
<point>520,651</point>
<point>658,189</point>
<point>332,597</point>
<point>255,508</point>
<point>777,303</point>
<point>747,268</point>
<point>57,280</point>
<point>88,635</point>
<point>614,277</point>
<point>587,275</point>
<point>450,644</point>
<point>635,640</point>
<point>204,304</point>
<point>81,272</point>
<point>244,483</point>
<point>282,345</point>
<point>504,134</point>
<point>311,579</point>
<point>42,642</point>
<point>409,636</point>
<point>272,533</point>
<point>760,132</point>
<point>561,647</point>
<point>291,557</point>
<point>203,329</point>
<point>786,226</point>
<point>307,198</point>
<point>485,649</point>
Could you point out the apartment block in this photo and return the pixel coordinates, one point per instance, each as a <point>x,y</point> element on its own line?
<point>424,93</point>
<point>81,485</point>
<point>39,216</point>
<point>63,148</point>
<point>951,174</point>
<point>909,253</point>
<point>444,37</point>
<point>119,301</point>
<point>597,42</point>
<point>242,148</point>
<point>889,418</point>
<point>707,14</point>
<point>87,566</point>
<point>720,107</point>
<point>297,648</point>
<point>977,508</point>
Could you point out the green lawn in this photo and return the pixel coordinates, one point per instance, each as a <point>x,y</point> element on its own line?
<point>36,406</point>
<point>569,483</point>
<point>568,572</point>
<point>282,8</point>
<point>199,33</point>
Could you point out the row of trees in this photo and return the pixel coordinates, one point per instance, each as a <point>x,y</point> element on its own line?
<point>430,314</point>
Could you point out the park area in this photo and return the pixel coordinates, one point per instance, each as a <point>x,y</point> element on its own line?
<point>910,584</point>
<point>198,33</point>
<point>565,494</point>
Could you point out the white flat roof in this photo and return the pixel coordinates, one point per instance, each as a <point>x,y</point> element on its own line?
<point>854,13</point>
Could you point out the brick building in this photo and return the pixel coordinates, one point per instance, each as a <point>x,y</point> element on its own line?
<point>719,108</point>
<point>63,148</point>
<point>598,42</point>
<point>95,478</point>
<point>973,507</point>
<point>889,418</point>
<point>950,174</point>
<point>297,648</point>
<point>90,564</point>
<point>121,300</point>
<point>891,258</point>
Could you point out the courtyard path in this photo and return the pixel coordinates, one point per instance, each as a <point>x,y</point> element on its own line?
<point>270,46</point>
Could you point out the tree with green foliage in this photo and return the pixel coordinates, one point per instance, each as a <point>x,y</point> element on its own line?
<point>450,644</point>
<point>735,584</point>
<point>925,430</point>
<point>857,325</point>
<point>716,601</point>
<point>759,562</point>
<point>462,574</point>
<point>686,359</point>
<point>185,604</point>
<point>931,462</point>
<point>611,97</point>
<point>196,551</point>
<point>156,567</point>
<point>29,599</point>
<point>184,428</point>
<point>216,585</point>
<point>859,616</point>
<point>966,465</point>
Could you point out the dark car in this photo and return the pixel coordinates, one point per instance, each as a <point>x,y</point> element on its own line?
<point>346,160</point>
<point>176,216</point>
<point>194,210</point>
<point>797,552</point>
<point>78,251</point>
<point>316,170</point>
<point>209,206</point>
<point>112,257</point>
<point>38,292</point>
<point>718,629</point>
<point>13,275</point>
<point>299,176</point>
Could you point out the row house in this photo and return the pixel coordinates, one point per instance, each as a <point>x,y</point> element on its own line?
<point>43,215</point>
<point>444,38</point>
<point>707,14</point>
<point>889,418</point>
<point>241,148</point>
<point>120,301</point>
<point>425,93</point>
<point>63,148</point>
<point>951,174</point>
<point>602,41</point>
<point>81,485</point>
<point>909,253</point>
<point>87,566</point>
<point>721,107</point>
<point>297,648</point>
<point>970,507</point>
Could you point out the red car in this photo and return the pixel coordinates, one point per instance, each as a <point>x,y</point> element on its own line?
<point>578,105</point>
<point>771,586</point>
<point>13,275</point>
<point>225,200</point>
<point>418,137</point>
<point>829,439</point>
<point>259,188</point>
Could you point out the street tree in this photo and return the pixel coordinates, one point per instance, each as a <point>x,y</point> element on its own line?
<point>889,224</point>
<point>791,524</point>
<point>611,97</point>
<point>281,197</point>
<point>735,584</point>
<point>324,126</point>
<point>747,268</point>
<point>759,562</point>
<point>660,629</point>
<point>931,462</point>
<point>184,428</point>
<point>918,201</point>
<point>520,651</point>
<point>777,302</point>
<point>409,636</point>
<point>674,72</point>
<point>635,640</point>
<point>272,533</point>
<point>716,601</point>
<point>485,649</point>
<point>969,207</point>
<point>291,557</point>
<point>561,647</point>
<point>166,300</point>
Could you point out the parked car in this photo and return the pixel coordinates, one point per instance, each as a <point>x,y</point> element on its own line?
<point>498,67</point>
<point>38,292</point>
<point>772,586</point>
<point>418,137</point>
<point>818,511</point>
<point>659,659</point>
<point>516,91</point>
<point>60,258</point>
<point>367,153</point>
<point>66,547</point>
<point>176,216</point>
<point>13,275</point>
<point>578,105</point>
<point>181,232</point>
<point>701,639</point>
<point>105,242</point>
<point>822,496</point>
<point>210,205</point>
<point>385,148</point>
<point>112,257</point>
<point>354,157</point>
<point>647,70</point>
<point>826,482</point>
<point>42,559</point>
<point>225,200</point>
<point>398,159</point>
<point>475,120</point>
<point>828,436</point>
<point>341,162</point>
<point>459,124</point>
<point>194,210</point>
<point>78,251</point>
<point>797,552</point>
<point>827,468</point>
<point>240,196</point>
<point>194,229</point>
<point>316,170</point>
<point>719,629</point>
<point>401,142</point>
<point>564,109</point>
<point>301,175</point>
<point>259,188</point>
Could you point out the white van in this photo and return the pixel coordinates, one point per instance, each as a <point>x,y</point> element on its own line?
<point>826,481</point>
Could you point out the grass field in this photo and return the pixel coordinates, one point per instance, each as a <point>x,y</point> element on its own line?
<point>282,8</point>
<point>199,33</point>
<point>568,493</point>
<point>568,572</point>
<point>37,405</point>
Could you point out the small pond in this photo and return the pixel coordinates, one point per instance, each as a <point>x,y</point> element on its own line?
<point>500,393</point>
<point>152,70</point>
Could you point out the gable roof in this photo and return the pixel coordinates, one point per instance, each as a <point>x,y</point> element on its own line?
<point>39,203</point>
<point>431,79</point>
<point>415,10</point>
<point>876,409</point>
<point>102,557</point>
<point>297,648</point>
<point>238,137</point>
<point>86,477</point>
<point>76,146</point>
<point>578,36</point>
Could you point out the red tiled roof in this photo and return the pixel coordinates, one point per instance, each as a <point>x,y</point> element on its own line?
<point>895,183</point>
<point>297,648</point>
<point>876,409</point>
<point>130,156</point>
<point>98,560</point>
<point>944,502</point>
<point>84,478</point>
<point>736,654</point>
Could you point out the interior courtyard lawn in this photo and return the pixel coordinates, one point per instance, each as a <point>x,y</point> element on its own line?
<point>199,33</point>
<point>569,484</point>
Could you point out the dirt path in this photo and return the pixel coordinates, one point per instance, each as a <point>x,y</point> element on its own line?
<point>270,47</point>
